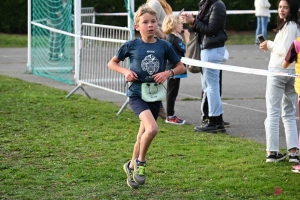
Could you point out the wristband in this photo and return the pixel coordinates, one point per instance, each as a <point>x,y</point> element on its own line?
<point>173,73</point>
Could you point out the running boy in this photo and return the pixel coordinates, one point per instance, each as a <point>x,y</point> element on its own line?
<point>148,57</point>
<point>172,27</point>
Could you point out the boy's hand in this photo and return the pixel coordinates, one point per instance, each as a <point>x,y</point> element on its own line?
<point>161,77</point>
<point>131,76</point>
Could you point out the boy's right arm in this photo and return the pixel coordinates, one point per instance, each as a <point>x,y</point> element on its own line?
<point>113,64</point>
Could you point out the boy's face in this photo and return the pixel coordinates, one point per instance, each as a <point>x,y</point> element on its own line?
<point>147,25</point>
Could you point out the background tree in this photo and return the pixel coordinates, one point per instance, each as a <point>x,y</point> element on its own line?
<point>13,15</point>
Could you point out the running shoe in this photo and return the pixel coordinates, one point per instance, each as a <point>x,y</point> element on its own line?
<point>175,120</point>
<point>130,182</point>
<point>139,175</point>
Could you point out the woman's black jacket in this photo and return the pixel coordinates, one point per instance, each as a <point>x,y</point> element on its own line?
<point>211,22</point>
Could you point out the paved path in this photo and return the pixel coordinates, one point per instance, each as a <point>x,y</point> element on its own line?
<point>243,94</point>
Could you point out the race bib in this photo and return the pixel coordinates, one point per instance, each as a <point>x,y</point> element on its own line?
<point>152,92</point>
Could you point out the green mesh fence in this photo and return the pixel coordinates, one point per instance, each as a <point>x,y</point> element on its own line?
<point>52,52</point>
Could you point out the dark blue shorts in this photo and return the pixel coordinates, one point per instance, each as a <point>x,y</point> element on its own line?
<point>138,105</point>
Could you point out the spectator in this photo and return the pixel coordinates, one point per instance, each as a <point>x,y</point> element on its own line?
<point>280,93</point>
<point>210,26</point>
<point>204,106</point>
<point>262,14</point>
<point>162,9</point>
<point>148,56</point>
<point>172,26</point>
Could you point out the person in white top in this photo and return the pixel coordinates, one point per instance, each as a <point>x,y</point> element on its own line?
<point>262,14</point>
<point>280,93</point>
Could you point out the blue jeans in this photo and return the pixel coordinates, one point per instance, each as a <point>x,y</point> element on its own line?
<point>210,80</point>
<point>261,28</point>
<point>281,100</point>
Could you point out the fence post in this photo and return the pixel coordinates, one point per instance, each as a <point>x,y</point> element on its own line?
<point>77,24</point>
<point>29,36</point>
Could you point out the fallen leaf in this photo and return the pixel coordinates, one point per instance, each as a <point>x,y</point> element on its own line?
<point>278,191</point>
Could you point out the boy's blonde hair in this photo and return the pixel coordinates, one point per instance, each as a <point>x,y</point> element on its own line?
<point>170,22</point>
<point>144,8</point>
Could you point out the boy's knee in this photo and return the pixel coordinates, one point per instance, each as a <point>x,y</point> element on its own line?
<point>152,131</point>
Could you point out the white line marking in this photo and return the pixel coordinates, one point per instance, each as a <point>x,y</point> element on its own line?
<point>13,58</point>
<point>246,108</point>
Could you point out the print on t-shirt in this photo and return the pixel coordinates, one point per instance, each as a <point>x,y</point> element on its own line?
<point>150,64</point>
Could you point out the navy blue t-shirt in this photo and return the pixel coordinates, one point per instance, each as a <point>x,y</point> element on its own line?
<point>146,59</point>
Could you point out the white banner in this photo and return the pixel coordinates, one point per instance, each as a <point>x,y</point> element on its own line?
<point>233,68</point>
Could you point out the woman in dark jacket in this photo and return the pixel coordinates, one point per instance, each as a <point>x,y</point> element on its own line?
<point>210,26</point>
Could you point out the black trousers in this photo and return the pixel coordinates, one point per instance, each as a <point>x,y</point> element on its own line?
<point>204,104</point>
<point>172,92</point>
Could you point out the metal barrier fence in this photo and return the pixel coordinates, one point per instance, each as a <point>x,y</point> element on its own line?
<point>99,43</point>
<point>88,15</point>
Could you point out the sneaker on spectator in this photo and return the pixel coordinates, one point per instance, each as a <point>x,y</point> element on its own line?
<point>275,157</point>
<point>130,182</point>
<point>139,175</point>
<point>209,127</point>
<point>204,122</point>
<point>294,157</point>
<point>221,128</point>
<point>226,124</point>
<point>296,168</point>
<point>175,120</point>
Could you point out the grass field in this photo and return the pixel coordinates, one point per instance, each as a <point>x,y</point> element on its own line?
<point>57,148</point>
<point>12,40</point>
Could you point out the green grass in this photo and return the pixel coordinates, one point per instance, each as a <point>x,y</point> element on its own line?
<point>236,38</point>
<point>12,40</point>
<point>57,148</point>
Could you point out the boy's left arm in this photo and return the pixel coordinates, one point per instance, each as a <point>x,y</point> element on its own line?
<point>179,68</point>
<point>163,76</point>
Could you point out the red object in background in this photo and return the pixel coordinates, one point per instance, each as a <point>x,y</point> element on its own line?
<point>278,191</point>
